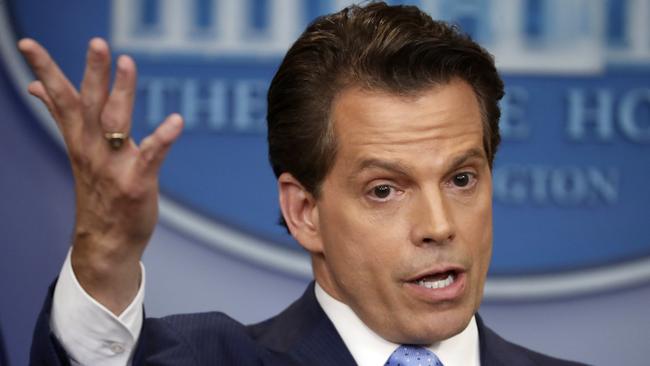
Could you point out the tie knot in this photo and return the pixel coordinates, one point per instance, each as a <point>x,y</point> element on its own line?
<point>408,355</point>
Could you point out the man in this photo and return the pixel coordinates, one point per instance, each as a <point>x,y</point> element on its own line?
<point>383,125</point>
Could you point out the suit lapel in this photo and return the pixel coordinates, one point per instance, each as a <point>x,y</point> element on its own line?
<point>496,351</point>
<point>304,334</point>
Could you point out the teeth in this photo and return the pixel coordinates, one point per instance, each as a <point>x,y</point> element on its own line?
<point>437,284</point>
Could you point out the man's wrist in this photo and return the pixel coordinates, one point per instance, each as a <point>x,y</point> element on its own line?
<point>111,278</point>
<point>77,320</point>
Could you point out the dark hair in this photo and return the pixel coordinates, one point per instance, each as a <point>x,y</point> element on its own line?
<point>398,49</point>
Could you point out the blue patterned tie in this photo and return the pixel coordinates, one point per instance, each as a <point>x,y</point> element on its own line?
<point>407,355</point>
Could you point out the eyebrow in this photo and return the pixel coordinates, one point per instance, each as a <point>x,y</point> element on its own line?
<point>391,166</point>
<point>467,155</point>
<point>400,169</point>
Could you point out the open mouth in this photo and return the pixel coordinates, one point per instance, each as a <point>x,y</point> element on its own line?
<point>436,280</point>
<point>445,283</point>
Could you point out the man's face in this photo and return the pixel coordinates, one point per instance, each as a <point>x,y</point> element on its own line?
<point>405,214</point>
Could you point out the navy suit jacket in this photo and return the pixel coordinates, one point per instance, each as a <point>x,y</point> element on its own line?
<point>301,335</point>
<point>3,355</point>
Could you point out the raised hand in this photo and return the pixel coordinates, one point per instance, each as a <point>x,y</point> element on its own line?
<point>116,186</point>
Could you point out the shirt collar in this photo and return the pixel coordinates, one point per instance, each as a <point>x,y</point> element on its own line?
<point>369,349</point>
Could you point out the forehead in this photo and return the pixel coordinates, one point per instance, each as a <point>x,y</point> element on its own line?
<point>440,121</point>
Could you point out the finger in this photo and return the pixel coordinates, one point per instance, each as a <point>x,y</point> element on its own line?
<point>63,95</point>
<point>154,148</point>
<point>94,87</point>
<point>37,89</point>
<point>116,115</point>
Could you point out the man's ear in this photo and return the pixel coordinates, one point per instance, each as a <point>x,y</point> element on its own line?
<point>300,213</point>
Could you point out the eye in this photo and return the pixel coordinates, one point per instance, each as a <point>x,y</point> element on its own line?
<point>382,191</point>
<point>463,180</point>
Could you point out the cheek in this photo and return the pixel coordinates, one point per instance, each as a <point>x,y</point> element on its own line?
<point>482,238</point>
<point>474,230</point>
<point>342,235</point>
<point>473,223</point>
<point>358,242</point>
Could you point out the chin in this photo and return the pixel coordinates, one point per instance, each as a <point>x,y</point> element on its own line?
<point>437,326</point>
<point>448,328</point>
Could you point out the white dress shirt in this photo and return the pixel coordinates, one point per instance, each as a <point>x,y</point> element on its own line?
<point>369,349</point>
<point>92,335</point>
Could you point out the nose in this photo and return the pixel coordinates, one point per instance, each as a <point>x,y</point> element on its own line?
<point>432,220</point>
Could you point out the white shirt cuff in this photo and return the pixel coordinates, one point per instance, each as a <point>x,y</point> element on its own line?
<point>90,333</point>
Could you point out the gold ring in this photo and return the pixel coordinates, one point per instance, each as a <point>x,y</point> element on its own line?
<point>116,139</point>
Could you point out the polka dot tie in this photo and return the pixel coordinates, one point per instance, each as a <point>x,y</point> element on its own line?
<point>406,355</point>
